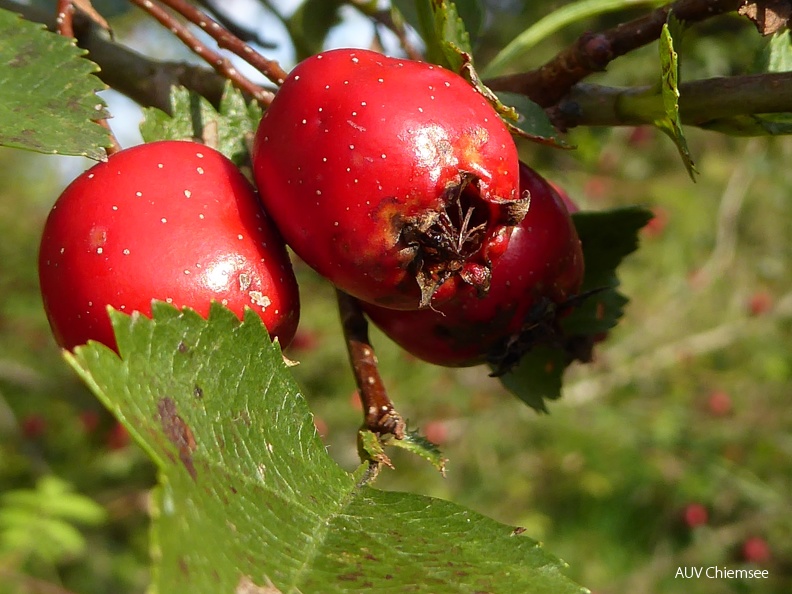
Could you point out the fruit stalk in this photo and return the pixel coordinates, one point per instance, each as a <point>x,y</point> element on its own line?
<point>221,65</point>
<point>379,412</point>
<point>227,40</point>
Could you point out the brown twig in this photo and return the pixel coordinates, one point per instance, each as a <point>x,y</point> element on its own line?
<point>142,79</point>
<point>385,18</point>
<point>222,66</point>
<point>227,40</point>
<point>240,31</point>
<point>593,52</point>
<point>379,412</point>
<point>65,19</point>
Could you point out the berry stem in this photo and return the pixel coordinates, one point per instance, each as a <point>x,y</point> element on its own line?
<point>222,66</point>
<point>64,22</point>
<point>379,413</point>
<point>227,40</point>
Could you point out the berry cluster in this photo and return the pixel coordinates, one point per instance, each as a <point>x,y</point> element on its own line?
<point>394,179</point>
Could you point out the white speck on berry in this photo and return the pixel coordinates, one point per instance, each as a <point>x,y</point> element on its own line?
<point>187,193</point>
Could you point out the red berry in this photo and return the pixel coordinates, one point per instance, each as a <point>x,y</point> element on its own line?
<point>174,221</point>
<point>33,426</point>
<point>394,179</point>
<point>89,420</point>
<point>695,515</point>
<point>436,432</point>
<point>756,550</point>
<point>658,223</point>
<point>719,403</point>
<point>760,303</point>
<point>118,437</point>
<point>541,269</point>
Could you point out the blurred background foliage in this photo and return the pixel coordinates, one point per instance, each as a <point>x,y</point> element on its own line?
<point>673,449</point>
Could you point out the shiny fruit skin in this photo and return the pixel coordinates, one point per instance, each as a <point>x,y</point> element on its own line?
<point>369,165</point>
<point>541,269</point>
<point>174,221</point>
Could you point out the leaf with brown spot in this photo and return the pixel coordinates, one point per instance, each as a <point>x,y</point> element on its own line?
<point>272,511</point>
<point>177,432</point>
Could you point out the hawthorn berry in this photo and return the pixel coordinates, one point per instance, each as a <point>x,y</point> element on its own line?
<point>541,270</point>
<point>394,179</point>
<point>170,220</point>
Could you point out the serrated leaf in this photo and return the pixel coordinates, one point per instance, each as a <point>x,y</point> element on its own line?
<point>532,121</point>
<point>538,377</point>
<point>48,100</point>
<point>310,24</point>
<point>228,130</point>
<point>415,443</point>
<point>671,123</point>
<point>247,493</point>
<point>444,32</point>
<point>779,53</point>
<point>607,237</point>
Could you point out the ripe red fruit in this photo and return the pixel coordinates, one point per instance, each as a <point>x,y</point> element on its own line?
<point>539,272</point>
<point>33,426</point>
<point>394,179</point>
<point>719,403</point>
<point>756,550</point>
<point>760,303</point>
<point>174,221</point>
<point>117,437</point>
<point>695,515</point>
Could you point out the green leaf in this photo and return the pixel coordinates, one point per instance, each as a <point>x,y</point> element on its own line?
<point>671,123</point>
<point>415,443</point>
<point>48,100</point>
<point>39,521</point>
<point>54,497</point>
<point>249,497</point>
<point>532,121</point>
<point>607,237</point>
<point>228,130</point>
<point>447,39</point>
<point>778,55</point>
<point>538,377</point>
<point>310,24</point>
